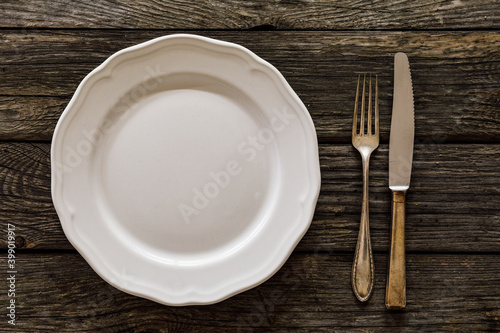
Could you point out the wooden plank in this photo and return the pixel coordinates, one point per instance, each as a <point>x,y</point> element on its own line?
<point>455,76</point>
<point>219,14</point>
<point>30,117</point>
<point>452,203</point>
<point>445,293</point>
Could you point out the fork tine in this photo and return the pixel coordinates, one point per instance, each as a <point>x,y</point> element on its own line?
<point>362,120</point>
<point>370,107</point>
<point>355,117</point>
<point>376,104</point>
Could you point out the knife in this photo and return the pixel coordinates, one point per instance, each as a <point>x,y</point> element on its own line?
<point>400,162</point>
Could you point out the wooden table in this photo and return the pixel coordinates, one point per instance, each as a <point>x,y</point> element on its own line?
<point>453,206</point>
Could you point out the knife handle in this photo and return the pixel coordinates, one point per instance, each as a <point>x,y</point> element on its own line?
<point>395,294</point>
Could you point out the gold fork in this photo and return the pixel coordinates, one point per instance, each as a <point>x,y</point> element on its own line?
<point>365,141</point>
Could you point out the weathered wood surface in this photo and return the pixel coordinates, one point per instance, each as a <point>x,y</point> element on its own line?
<point>220,14</point>
<point>455,76</point>
<point>311,293</point>
<point>453,222</point>
<point>446,209</point>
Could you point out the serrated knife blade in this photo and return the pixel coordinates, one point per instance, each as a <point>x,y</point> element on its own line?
<point>402,126</point>
<point>400,165</point>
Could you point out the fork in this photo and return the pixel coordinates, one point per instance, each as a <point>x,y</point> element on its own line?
<point>365,141</point>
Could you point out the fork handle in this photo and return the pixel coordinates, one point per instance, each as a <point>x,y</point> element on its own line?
<point>363,267</point>
<point>395,293</point>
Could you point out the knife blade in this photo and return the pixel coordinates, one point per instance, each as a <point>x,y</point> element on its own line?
<point>400,165</point>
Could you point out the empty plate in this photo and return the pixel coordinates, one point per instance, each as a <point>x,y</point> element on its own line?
<point>185,170</point>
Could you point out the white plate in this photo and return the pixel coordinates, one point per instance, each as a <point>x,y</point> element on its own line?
<point>185,170</point>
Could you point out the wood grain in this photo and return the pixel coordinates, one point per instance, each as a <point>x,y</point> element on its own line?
<point>446,209</point>
<point>453,219</point>
<point>60,292</point>
<point>220,14</point>
<point>455,76</point>
<point>30,117</point>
